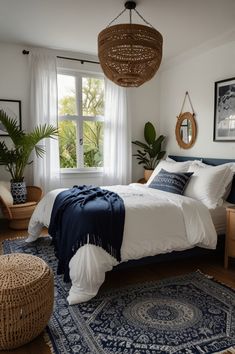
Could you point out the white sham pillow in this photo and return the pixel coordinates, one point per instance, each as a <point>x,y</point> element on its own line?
<point>208,184</point>
<point>169,167</point>
<point>5,192</point>
<point>231,165</point>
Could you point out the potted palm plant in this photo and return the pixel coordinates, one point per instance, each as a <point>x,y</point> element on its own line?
<point>151,150</point>
<point>16,157</point>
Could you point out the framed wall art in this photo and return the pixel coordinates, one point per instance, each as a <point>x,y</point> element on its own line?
<point>224,111</point>
<point>13,109</point>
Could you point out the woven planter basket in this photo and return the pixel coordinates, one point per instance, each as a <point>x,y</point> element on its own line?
<point>26,298</point>
<point>130,54</point>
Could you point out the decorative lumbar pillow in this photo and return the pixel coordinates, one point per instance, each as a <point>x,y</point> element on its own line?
<point>208,184</point>
<point>5,192</point>
<point>170,167</point>
<point>171,181</point>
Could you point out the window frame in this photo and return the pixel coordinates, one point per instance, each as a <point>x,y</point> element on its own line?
<point>79,119</point>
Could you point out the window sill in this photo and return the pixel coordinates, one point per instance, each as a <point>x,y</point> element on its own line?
<point>77,171</point>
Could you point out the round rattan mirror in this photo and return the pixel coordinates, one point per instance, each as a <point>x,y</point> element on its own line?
<point>186,130</point>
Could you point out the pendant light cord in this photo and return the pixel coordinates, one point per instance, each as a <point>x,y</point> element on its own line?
<point>147,23</point>
<point>122,12</point>
<point>116,17</point>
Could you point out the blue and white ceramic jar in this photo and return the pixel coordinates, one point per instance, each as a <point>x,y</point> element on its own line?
<point>19,192</point>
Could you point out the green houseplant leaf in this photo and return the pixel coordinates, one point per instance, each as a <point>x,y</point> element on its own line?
<point>149,133</point>
<point>16,157</point>
<point>150,152</point>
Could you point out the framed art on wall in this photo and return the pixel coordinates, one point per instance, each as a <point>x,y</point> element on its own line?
<point>13,109</point>
<point>224,111</point>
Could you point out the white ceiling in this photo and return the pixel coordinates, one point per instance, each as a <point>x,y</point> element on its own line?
<point>74,24</point>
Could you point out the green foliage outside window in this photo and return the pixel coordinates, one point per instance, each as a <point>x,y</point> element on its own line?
<point>92,97</point>
<point>93,144</point>
<point>67,144</point>
<point>92,105</point>
<point>67,105</point>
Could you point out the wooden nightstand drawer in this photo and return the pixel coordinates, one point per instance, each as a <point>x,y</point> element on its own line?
<point>230,235</point>
<point>231,225</point>
<point>231,248</point>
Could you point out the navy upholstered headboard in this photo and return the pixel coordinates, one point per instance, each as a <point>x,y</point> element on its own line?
<point>213,162</point>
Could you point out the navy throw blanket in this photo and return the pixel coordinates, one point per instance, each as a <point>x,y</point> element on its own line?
<point>82,215</point>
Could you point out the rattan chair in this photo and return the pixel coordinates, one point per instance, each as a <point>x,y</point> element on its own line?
<point>19,214</point>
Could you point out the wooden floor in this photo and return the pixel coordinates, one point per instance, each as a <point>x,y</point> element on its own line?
<point>209,265</point>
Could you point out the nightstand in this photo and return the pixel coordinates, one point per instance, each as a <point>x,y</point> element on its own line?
<point>230,235</point>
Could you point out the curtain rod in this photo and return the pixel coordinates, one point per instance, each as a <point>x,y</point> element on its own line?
<point>82,61</point>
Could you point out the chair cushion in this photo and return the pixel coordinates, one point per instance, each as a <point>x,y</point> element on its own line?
<point>5,192</point>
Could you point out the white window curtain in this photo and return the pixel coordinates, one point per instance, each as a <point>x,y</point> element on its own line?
<point>43,109</point>
<point>117,137</point>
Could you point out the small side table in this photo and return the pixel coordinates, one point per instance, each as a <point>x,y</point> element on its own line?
<point>26,298</point>
<point>230,235</point>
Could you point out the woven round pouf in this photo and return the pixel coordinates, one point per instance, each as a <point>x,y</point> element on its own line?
<point>26,298</point>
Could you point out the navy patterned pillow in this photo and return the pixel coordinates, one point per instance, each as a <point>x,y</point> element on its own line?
<point>173,182</point>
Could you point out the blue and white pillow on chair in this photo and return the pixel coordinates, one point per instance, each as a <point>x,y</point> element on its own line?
<point>173,182</point>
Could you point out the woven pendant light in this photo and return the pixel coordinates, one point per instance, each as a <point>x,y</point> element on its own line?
<point>130,54</point>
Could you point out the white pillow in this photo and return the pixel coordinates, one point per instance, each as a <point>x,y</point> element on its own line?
<point>200,163</point>
<point>5,193</point>
<point>169,167</point>
<point>231,165</point>
<point>208,184</point>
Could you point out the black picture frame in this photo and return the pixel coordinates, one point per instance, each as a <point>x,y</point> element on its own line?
<point>13,110</point>
<point>224,110</point>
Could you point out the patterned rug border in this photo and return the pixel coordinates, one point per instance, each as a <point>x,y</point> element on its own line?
<point>47,336</point>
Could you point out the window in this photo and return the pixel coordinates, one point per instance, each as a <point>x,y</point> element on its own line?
<point>81,120</point>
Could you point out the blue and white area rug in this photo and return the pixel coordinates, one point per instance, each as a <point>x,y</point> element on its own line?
<point>182,315</point>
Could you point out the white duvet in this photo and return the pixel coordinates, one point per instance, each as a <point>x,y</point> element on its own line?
<point>155,222</point>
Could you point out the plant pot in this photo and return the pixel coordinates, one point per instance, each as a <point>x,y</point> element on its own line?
<point>147,174</point>
<point>19,192</point>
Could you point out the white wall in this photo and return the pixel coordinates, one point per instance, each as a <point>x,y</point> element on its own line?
<point>197,76</point>
<point>144,104</point>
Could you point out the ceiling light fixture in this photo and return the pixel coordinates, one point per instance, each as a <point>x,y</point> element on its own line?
<point>130,54</point>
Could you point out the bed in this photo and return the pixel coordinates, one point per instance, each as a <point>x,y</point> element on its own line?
<point>156,222</point>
